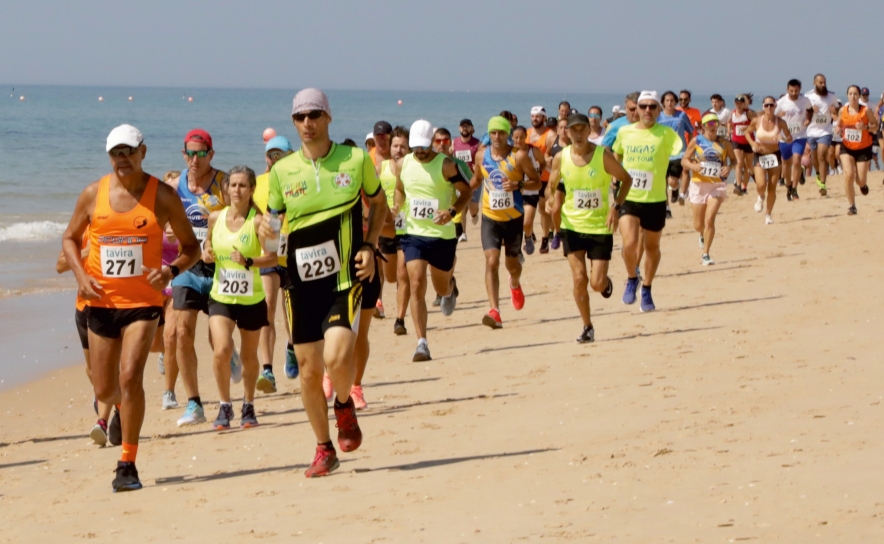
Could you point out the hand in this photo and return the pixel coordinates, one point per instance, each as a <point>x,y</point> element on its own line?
<point>365,263</point>
<point>208,256</point>
<point>816,109</point>
<point>262,227</point>
<point>613,220</point>
<point>510,185</point>
<point>237,257</point>
<point>88,289</point>
<point>725,171</point>
<point>158,278</point>
<point>860,126</point>
<point>442,217</point>
<point>806,123</point>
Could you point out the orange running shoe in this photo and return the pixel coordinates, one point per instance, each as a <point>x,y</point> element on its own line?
<point>358,397</point>
<point>492,319</point>
<point>325,461</point>
<point>327,387</point>
<point>349,434</point>
<point>517,295</point>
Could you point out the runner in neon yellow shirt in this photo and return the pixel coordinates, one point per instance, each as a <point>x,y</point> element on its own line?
<point>645,149</point>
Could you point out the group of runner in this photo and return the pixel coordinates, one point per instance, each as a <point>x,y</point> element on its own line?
<point>328,225</point>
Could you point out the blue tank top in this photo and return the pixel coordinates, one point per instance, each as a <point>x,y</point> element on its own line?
<point>198,207</point>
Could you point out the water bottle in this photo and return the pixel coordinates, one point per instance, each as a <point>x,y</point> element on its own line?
<point>272,244</point>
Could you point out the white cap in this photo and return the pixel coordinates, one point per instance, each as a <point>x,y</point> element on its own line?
<point>615,109</point>
<point>421,134</point>
<point>649,95</point>
<point>538,110</point>
<point>369,136</point>
<point>124,135</point>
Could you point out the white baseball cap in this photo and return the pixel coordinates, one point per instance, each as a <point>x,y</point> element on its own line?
<point>369,136</point>
<point>124,135</point>
<point>649,95</point>
<point>615,109</point>
<point>421,134</point>
<point>538,110</point>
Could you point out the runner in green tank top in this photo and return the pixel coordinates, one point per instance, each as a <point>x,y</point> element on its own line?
<point>424,191</point>
<point>580,181</point>
<point>394,267</point>
<point>237,296</point>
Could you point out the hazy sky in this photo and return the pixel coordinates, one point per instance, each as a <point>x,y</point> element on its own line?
<point>567,45</point>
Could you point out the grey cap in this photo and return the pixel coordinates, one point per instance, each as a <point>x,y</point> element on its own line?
<point>310,99</point>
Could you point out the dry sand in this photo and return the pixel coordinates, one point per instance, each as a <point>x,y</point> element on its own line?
<point>745,409</point>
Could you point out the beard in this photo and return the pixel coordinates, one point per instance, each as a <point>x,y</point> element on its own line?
<point>538,124</point>
<point>822,91</point>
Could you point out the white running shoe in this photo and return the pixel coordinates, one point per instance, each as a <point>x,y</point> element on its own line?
<point>707,260</point>
<point>768,220</point>
<point>463,238</point>
<point>235,368</point>
<point>169,400</point>
<point>759,204</point>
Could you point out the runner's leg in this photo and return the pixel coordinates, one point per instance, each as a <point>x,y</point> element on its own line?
<point>577,260</point>
<point>222,333</point>
<point>492,277</point>
<point>652,256</point>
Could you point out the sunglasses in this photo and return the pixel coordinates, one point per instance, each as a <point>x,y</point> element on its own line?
<point>711,123</point>
<point>594,116</point>
<point>647,106</point>
<point>770,105</point>
<point>739,99</point>
<point>276,154</point>
<point>443,140</point>
<point>123,151</point>
<point>423,148</point>
<point>313,115</point>
<point>201,154</point>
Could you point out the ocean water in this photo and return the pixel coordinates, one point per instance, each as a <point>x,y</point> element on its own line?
<point>52,145</point>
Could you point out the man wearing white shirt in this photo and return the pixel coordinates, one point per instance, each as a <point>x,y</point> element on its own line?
<point>797,111</point>
<point>819,131</point>
<point>723,113</point>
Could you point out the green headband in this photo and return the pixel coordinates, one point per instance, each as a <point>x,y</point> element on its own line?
<point>499,123</point>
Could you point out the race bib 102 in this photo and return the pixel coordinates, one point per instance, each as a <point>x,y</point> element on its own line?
<point>853,136</point>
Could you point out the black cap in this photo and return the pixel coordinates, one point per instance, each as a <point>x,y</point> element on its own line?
<point>465,122</point>
<point>383,127</point>
<point>577,119</point>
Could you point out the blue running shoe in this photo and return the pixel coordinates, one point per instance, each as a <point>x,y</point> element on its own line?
<point>266,382</point>
<point>291,364</point>
<point>647,301</point>
<point>193,414</point>
<point>629,293</point>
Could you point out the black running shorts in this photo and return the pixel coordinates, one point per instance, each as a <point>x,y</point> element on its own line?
<point>311,312</point>
<point>248,317</point>
<point>652,215</point>
<point>506,234</point>
<point>598,247</point>
<point>110,322</point>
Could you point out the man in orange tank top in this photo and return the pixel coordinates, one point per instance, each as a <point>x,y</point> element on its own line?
<point>123,277</point>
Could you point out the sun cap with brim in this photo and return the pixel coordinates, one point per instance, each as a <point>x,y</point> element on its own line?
<point>369,136</point>
<point>538,110</point>
<point>499,123</point>
<point>649,95</point>
<point>709,117</point>
<point>278,142</point>
<point>124,135</point>
<point>577,119</point>
<point>421,134</point>
<point>310,99</point>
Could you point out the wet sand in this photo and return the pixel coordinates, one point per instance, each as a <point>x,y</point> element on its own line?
<point>746,408</point>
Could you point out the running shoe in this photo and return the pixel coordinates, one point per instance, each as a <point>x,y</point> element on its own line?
<point>789,194</point>
<point>126,478</point>
<point>266,382</point>
<point>555,242</point>
<point>325,461</point>
<point>455,290</point>
<point>291,363</point>
<point>702,242</point>
<point>492,319</point>
<point>768,220</point>
<point>587,336</point>
<point>851,210</point>
<point>668,213</point>
<point>247,418</point>
<point>759,205</point>
<point>737,190</point>
<point>99,433</point>
<point>399,327</point>
<point>349,434</point>
<point>327,387</point>
<point>379,310</point>
<point>475,219</point>
<point>529,244</point>
<point>463,237</point>
<point>438,301</point>
<point>629,292</point>
<point>235,368</point>
<point>225,414</point>
<point>161,365</point>
<point>647,301</point>
<point>115,429</point>
<point>673,197</point>
<point>521,258</point>
<point>822,186</point>
<point>707,260</point>
<point>422,353</point>
<point>782,182</point>
<point>794,193</point>
<point>544,245</point>
<point>609,290</point>
<point>193,414</point>
<point>169,400</point>
<point>801,180</point>
<point>517,296</point>
<point>448,303</point>
<point>358,397</point>
<point>864,190</point>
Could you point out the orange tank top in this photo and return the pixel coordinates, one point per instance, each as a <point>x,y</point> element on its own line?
<point>852,138</point>
<point>120,244</point>
<point>538,140</point>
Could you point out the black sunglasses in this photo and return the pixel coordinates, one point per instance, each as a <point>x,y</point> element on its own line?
<point>768,105</point>
<point>276,154</point>
<point>201,153</point>
<point>647,106</point>
<point>313,115</point>
<point>122,151</point>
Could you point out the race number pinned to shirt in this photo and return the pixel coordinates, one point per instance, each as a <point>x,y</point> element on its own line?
<point>722,131</point>
<point>853,136</point>
<point>768,161</point>
<point>201,233</point>
<point>283,245</point>
<point>795,129</point>
<point>740,130</point>
<point>642,180</point>
<point>587,200</point>
<point>399,221</point>
<point>236,282</point>
<point>500,200</point>
<point>710,169</point>
<point>317,262</point>
<point>424,208</point>
<point>821,118</point>
<point>465,155</point>
<point>121,261</point>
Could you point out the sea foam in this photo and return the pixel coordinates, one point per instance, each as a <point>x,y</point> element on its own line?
<point>33,230</point>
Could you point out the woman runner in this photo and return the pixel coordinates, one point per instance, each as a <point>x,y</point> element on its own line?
<point>763,134</point>
<point>858,124</point>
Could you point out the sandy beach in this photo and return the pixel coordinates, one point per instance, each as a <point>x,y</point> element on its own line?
<point>746,408</point>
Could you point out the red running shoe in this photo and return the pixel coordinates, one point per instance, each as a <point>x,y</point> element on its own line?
<point>326,460</point>
<point>517,295</point>
<point>349,434</point>
<point>492,319</point>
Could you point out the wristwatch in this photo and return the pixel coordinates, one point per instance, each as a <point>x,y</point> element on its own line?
<point>249,263</point>
<point>175,270</point>
<point>452,211</point>
<point>617,206</point>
